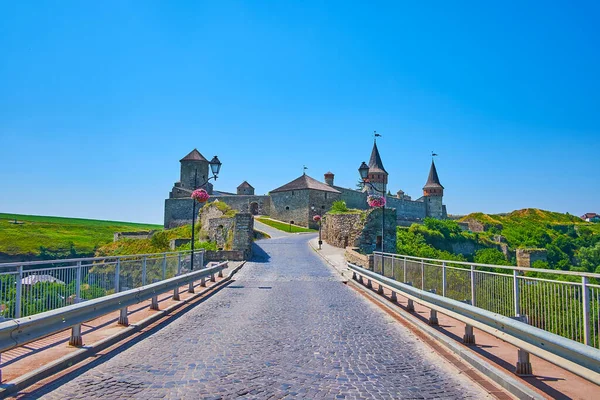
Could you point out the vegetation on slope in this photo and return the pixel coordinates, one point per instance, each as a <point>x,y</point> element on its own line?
<point>58,237</point>
<point>571,244</point>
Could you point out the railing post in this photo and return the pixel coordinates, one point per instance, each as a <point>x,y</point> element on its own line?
<point>517,297</point>
<point>585,298</point>
<point>178,263</point>
<point>523,363</point>
<point>19,293</point>
<point>404,280</point>
<point>469,337</point>
<point>191,286</point>
<point>444,279</point>
<point>123,318</point>
<point>394,298</point>
<point>422,275</point>
<point>393,268</point>
<point>154,303</point>
<point>117,275</point>
<point>410,306</point>
<point>164,267</point>
<point>144,271</point>
<point>78,283</point>
<point>433,320</point>
<point>380,289</point>
<point>76,340</point>
<point>472,285</point>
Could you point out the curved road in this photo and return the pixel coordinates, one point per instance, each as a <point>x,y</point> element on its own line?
<point>285,327</point>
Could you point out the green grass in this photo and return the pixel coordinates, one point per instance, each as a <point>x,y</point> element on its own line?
<point>282,226</point>
<point>59,236</point>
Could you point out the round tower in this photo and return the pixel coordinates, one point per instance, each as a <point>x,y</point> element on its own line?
<point>433,192</point>
<point>194,167</point>
<point>378,176</point>
<point>329,178</point>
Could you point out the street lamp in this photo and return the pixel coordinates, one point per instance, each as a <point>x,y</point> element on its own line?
<point>199,194</point>
<point>318,218</point>
<point>363,170</point>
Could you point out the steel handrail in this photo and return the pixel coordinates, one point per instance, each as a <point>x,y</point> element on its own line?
<point>571,355</point>
<point>18,332</point>
<point>510,267</point>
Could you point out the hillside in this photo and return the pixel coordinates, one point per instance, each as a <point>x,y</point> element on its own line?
<point>41,237</point>
<point>571,243</point>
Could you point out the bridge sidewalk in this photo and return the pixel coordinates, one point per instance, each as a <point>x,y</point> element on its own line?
<point>23,360</point>
<point>548,380</point>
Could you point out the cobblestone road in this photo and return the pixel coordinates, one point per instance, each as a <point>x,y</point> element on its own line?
<point>286,327</point>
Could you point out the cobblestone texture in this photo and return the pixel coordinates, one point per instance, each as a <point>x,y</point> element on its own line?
<point>287,327</point>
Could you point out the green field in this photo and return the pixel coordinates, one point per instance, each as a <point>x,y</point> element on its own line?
<point>58,237</point>
<point>282,226</point>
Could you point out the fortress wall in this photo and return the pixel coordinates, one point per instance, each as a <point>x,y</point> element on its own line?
<point>353,198</point>
<point>242,203</point>
<point>178,212</point>
<point>407,210</point>
<point>289,206</point>
<point>322,202</point>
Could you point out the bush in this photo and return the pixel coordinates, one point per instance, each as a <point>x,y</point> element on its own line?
<point>339,207</point>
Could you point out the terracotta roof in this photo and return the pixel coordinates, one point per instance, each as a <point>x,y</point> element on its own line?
<point>244,185</point>
<point>375,164</point>
<point>433,181</point>
<point>589,215</point>
<point>194,155</point>
<point>305,182</point>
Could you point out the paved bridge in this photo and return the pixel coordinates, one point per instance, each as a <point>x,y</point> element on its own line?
<point>287,326</point>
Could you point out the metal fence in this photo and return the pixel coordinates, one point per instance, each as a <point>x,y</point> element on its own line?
<point>566,303</point>
<point>30,288</point>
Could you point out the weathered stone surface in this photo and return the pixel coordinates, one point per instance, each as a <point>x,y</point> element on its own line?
<point>526,257</point>
<point>287,327</point>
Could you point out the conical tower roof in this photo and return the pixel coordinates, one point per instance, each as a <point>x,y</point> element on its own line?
<point>194,155</point>
<point>375,164</point>
<point>433,181</point>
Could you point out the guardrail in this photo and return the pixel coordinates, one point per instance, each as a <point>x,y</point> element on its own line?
<point>568,354</point>
<point>562,302</point>
<point>28,288</point>
<point>21,331</point>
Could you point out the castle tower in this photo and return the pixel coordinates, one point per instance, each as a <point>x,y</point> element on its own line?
<point>192,164</point>
<point>378,176</point>
<point>329,178</point>
<point>245,189</point>
<point>433,192</point>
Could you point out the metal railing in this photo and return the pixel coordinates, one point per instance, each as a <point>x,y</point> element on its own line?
<point>568,354</point>
<point>565,303</point>
<point>29,288</point>
<point>21,331</point>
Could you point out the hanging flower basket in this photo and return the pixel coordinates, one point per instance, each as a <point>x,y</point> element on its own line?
<point>317,218</point>
<point>376,201</point>
<point>200,195</point>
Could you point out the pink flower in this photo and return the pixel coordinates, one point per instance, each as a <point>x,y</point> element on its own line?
<point>376,201</point>
<point>200,195</point>
<point>317,218</point>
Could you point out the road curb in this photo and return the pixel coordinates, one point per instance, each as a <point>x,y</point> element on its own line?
<point>495,374</point>
<point>85,352</point>
<point>344,278</point>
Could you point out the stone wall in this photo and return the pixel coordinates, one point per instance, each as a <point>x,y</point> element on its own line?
<point>242,203</point>
<point>243,234</point>
<point>319,203</point>
<point>175,243</point>
<point>224,255</point>
<point>132,235</point>
<point>342,230</point>
<point>526,257</point>
<point>353,198</point>
<point>178,212</point>
<point>407,210</point>
<point>362,260</point>
<point>291,206</point>
<point>361,230</point>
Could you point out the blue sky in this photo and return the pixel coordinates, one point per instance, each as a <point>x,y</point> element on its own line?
<point>99,100</point>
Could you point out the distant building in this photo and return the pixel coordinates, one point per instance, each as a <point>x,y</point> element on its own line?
<point>591,217</point>
<point>300,200</point>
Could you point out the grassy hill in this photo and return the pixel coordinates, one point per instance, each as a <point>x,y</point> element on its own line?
<point>57,237</point>
<point>571,243</point>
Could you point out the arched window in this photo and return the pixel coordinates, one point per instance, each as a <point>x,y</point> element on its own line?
<point>287,207</point>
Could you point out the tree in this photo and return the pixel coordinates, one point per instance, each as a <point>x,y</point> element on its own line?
<point>589,257</point>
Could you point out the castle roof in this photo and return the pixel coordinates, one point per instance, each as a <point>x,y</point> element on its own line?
<point>328,173</point>
<point>305,182</point>
<point>375,164</point>
<point>433,181</point>
<point>245,185</point>
<point>194,155</point>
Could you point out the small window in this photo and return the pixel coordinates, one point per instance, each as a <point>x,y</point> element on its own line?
<point>287,207</point>
<point>325,194</point>
<point>292,192</point>
<point>322,207</point>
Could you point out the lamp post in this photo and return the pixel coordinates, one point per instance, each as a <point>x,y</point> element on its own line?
<point>318,218</point>
<point>200,195</point>
<point>363,170</point>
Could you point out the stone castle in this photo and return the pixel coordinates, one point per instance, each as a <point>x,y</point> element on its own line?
<point>298,201</point>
